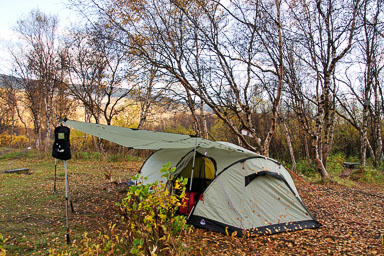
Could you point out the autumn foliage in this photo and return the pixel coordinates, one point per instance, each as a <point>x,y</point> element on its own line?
<point>150,223</point>
<point>150,213</point>
<point>3,252</point>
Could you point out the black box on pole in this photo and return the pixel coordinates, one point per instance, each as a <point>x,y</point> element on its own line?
<point>61,147</point>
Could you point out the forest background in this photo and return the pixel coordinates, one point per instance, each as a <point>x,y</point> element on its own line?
<point>298,81</point>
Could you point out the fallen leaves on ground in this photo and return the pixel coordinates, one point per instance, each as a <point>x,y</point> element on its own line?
<point>352,220</point>
<point>32,218</point>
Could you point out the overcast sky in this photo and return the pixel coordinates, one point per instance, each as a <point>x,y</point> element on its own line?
<point>13,10</point>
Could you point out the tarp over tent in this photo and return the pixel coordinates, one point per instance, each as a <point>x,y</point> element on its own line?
<point>234,189</point>
<point>143,139</point>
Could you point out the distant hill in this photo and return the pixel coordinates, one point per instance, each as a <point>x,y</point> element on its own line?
<point>4,79</point>
<point>16,84</point>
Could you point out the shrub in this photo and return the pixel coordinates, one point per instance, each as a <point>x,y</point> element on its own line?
<point>110,243</point>
<point>13,140</point>
<point>335,163</point>
<point>372,175</point>
<point>88,155</point>
<point>3,252</point>
<point>302,167</point>
<point>150,214</point>
<point>151,225</point>
<point>79,141</point>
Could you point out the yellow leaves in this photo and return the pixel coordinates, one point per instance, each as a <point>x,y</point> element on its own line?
<point>3,252</point>
<point>162,217</point>
<point>151,211</point>
<point>381,239</point>
<point>177,185</point>
<point>148,218</point>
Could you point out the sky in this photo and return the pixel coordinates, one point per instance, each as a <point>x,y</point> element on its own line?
<point>13,10</point>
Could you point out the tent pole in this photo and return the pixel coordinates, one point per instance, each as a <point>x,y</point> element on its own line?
<point>192,171</point>
<point>66,201</point>
<point>54,181</point>
<point>193,164</point>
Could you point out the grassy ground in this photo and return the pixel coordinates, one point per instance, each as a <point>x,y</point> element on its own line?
<point>32,217</point>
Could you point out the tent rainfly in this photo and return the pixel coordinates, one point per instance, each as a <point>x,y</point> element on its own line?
<point>229,188</point>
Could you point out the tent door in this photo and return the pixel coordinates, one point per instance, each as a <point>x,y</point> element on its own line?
<point>203,174</point>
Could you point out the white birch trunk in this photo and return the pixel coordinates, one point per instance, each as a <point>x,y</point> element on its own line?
<point>291,152</point>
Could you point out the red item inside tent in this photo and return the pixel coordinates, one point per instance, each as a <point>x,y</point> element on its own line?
<point>187,203</point>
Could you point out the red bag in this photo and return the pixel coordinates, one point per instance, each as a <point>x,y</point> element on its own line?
<point>187,203</point>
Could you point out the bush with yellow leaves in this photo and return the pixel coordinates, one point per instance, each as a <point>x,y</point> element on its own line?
<point>13,140</point>
<point>150,214</point>
<point>3,252</point>
<point>151,225</point>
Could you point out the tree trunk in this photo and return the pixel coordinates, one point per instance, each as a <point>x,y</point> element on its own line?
<point>291,152</point>
<point>371,152</point>
<point>363,148</point>
<point>203,118</point>
<point>37,131</point>
<point>319,163</point>
<point>191,106</point>
<point>306,146</point>
<point>364,137</point>
<point>280,71</point>
<point>379,144</point>
<point>48,125</point>
<point>144,111</point>
<point>24,123</point>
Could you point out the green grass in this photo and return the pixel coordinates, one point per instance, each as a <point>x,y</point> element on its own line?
<point>369,174</point>
<point>119,157</point>
<point>12,154</point>
<point>32,217</point>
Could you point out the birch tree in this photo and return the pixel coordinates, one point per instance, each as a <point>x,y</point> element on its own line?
<point>212,50</point>
<point>360,105</point>
<point>96,71</point>
<point>322,34</point>
<point>35,66</point>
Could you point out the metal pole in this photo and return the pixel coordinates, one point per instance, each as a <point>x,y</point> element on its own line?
<point>54,182</point>
<point>66,201</point>
<point>69,196</point>
<point>193,164</point>
<point>192,171</point>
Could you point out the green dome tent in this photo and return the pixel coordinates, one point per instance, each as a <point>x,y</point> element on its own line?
<point>234,189</point>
